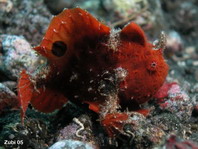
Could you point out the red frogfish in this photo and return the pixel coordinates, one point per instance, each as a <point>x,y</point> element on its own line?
<point>90,63</point>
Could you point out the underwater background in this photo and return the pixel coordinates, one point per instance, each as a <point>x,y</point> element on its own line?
<point>173,118</point>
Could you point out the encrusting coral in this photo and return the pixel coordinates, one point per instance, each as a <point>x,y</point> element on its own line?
<point>112,71</point>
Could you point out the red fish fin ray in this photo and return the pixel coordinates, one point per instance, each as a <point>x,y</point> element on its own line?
<point>25,90</point>
<point>144,112</point>
<point>41,50</point>
<point>48,100</point>
<point>113,123</point>
<point>94,106</point>
<point>132,32</point>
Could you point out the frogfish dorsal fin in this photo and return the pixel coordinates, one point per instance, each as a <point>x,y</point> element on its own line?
<point>67,33</point>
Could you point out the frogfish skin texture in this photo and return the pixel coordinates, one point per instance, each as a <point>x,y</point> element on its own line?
<point>89,63</point>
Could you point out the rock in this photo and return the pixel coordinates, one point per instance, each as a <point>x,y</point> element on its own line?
<point>124,8</point>
<point>10,84</point>
<point>190,50</point>
<point>8,99</point>
<point>6,5</point>
<point>168,122</point>
<point>175,143</point>
<point>172,98</point>
<point>24,17</point>
<point>174,43</point>
<point>196,75</point>
<point>56,7</point>
<point>80,129</point>
<point>34,134</point>
<point>115,12</point>
<point>71,144</point>
<point>16,55</point>
<point>178,12</point>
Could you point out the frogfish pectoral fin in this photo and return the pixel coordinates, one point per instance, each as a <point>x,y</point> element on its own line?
<point>47,100</point>
<point>43,99</point>
<point>25,90</point>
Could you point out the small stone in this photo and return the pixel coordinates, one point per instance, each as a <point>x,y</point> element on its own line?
<point>8,99</point>
<point>71,144</point>
<point>11,136</point>
<point>194,88</point>
<point>79,129</point>
<point>195,63</point>
<point>172,98</point>
<point>175,143</point>
<point>190,50</point>
<point>16,55</point>
<point>196,75</point>
<point>10,84</point>
<point>6,5</point>
<point>174,42</point>
<point>23,17</point>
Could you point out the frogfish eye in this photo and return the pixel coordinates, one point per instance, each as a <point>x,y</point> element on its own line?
<point>59,48</point>
<point>152,66</point>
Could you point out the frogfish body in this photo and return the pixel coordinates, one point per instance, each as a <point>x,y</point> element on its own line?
<point>91,64</point>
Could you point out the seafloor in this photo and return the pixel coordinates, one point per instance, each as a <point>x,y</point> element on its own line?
<point>173,119</point>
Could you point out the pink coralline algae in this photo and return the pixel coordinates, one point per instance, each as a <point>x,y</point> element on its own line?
<point>174,143</point>
<point>172,98</point>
